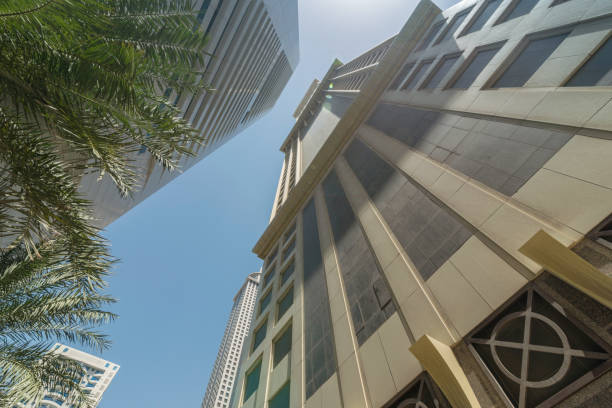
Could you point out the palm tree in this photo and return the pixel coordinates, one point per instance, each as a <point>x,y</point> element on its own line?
<point>84,86</point>
<point>52,296</point>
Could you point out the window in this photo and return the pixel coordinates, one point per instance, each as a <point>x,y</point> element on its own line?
<point>454,24</point>
<point>443,67</point>
<point>418,74</point>
<point>517,9</point>
<point>287,273</point>
<point>432,33</point>
<point>282,346</point>
<point>532,333</point>
<point>422,392</point>
<point>475,66</point>
<point>285,303</point>
<point>265,301</point>
<point>603,232</point>
<point>281,399</point>
<point>529,60</point>
<point>597,71</point>
<point>483,16</point>
<point>272,256</point>
<point>269,276</point>
<point>401,76</point>
<point>260,334</point>
<point>290,231</point>
<point>287,251</point>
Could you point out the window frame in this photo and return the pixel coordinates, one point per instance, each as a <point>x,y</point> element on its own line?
<point>247,373</point>
<point>466,11</point>
<point>263,323</point>
<point>509,9</point>
<point>287,328</point>
<point>436,68</point>
<point>468,61</point>
<point>261,309</point>
<point>476,16</point>
<point>415,72</point>
<point>278,316</point>
<point>585,61</point>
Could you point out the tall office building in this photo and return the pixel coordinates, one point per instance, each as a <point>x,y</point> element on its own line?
<point>255,48</point>
<point>99,374</point>
<point>223,375</point>
<point>441,234</point>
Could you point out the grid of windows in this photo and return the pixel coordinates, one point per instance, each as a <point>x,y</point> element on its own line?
<point>475,67</point>
<point>529,60</point>
<point>483,16</point>
<point>282,346</point>
<point>285,303</point>
<point>597,71</point>
<point>440,72</point>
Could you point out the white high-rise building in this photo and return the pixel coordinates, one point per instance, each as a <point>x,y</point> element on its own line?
<point>221,382</point>
<point>99,374</point>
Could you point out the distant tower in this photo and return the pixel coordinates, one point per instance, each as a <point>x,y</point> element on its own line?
<point>221,383</point>
<point>99,374</point>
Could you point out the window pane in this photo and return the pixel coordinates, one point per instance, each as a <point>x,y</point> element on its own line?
<point>287,273</point>
<point>285,304</point>
<point>319,349</point>
<point>281,399</point>
<point>269,276</point>
<point>484,16</point>
<point>457,21</point>
<point>597,70</point>
<point>416,77</point>
<point>260,335</point>
<point>290,231</point>
<point>288,250</point>
<point>432,33</point>
<point>401,76</point>
<point>265,301</point>
<point>521,8</point>
<point>443,68</point>
<point>528,62</point>
<point>252,381</point>
<point>479,62</point>
<point>282,347</point>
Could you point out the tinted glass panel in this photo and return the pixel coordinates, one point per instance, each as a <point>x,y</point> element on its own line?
<point>366,289</point>
<point>252,381</point>
<point>483,17</point>
<point>401,76</point>
<point>528,62</point>
<point>285,303</point>
<point>443,68</point>
<point>269,276</point>
<point>521,7</point>
<point>287,251</point>
<point>265,301</point>
<point>418,75</point>
<point>281,399</point>
<point>429,233</point>
<point>282,346</point>
<point>287,273</point>
<point>260,335</point>
<point>457,21</point>
<point>432,33</point>
<point>597,70</point>
<point>475,67</point>
<point>500,155</point>
<point>319,351</point>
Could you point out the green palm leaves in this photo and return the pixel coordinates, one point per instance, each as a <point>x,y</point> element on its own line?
<point>84,86</point>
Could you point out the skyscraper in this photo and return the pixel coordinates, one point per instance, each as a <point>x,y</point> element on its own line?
<point>99,374</point>
<point>255,48</point>
<point>223,375</point>
<point>441,234</point>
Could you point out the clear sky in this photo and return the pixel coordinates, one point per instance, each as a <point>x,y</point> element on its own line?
<point>186,250</point>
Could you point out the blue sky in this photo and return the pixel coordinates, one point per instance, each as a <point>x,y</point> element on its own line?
<point>186,250</point>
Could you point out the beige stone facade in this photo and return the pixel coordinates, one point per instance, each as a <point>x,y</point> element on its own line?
<point>442,220</point>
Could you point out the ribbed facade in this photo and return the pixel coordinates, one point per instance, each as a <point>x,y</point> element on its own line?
<point>441,232</point>
<point>223,375</point>
<point>254,44</point>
